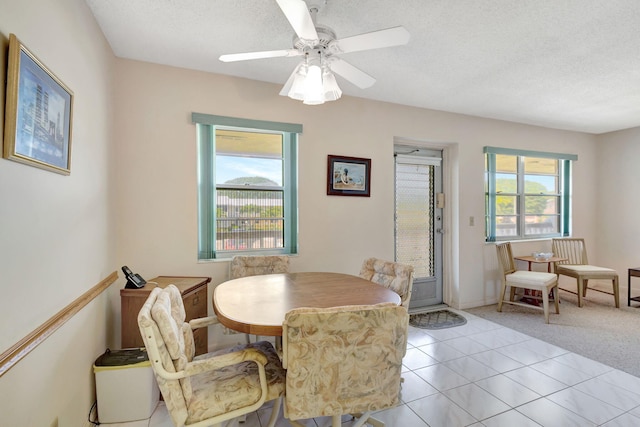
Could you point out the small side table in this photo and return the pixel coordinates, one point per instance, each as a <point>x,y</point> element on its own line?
<point>531,259</point>
<point>533,294</point>
<point>194,297</point>
<point>633,272</point>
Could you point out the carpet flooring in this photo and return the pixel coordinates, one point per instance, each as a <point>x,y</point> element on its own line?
<point>597,330</point>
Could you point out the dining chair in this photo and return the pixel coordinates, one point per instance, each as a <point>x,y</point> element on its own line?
<point>211,388</point>
<point>511,277</point>
<point>254,265</point>
<point>343,361</point>
<point>393,275</point>
<point>577,266</point>
<point>247,265</point>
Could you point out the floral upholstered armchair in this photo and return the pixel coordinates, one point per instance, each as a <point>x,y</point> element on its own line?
<point>254,265</point>
<point>243,266</point>
<point>393,275</point>
<point>210,388</point>
<point>343,360</point>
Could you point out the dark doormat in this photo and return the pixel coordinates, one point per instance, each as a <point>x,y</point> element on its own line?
<point>436,320</point>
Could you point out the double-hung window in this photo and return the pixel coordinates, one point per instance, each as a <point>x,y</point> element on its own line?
<point>247,187</point>
<point>527,194</point>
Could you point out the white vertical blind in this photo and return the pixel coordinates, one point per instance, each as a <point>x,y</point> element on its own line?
<point>414,213</point>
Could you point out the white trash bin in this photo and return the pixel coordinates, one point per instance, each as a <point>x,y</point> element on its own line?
<point>126,387</point>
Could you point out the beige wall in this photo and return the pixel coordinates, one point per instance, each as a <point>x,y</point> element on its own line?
<point>57,232</point>
<point>157,232</point>
<point>617,202</point>
<point>131,196</point>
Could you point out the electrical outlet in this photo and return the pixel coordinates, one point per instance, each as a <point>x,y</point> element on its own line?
<point>54,423</point>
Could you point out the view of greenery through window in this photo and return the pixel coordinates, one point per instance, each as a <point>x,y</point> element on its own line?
<point>248,219</point>
<point>527,196</point>
<point>247,187</point>
<point>249,191</point>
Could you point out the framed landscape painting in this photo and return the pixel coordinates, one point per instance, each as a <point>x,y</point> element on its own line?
<point>348,176</point>
<point>38,113</point>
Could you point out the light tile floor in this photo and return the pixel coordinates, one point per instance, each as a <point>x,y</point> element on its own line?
<point>483,374</point>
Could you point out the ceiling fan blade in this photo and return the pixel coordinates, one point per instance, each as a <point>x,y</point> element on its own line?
<point>374,40</point>
<point>297,12</point>
<point>259,55</point>
<point>351,73</point>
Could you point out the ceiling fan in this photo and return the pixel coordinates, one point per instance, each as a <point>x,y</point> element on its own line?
<point>312,81</point>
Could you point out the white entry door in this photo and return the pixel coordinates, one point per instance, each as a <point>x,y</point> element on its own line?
<point>418,220</point>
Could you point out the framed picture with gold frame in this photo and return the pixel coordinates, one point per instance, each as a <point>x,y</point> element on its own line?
<point>348,176</point>
<point>38,113</point>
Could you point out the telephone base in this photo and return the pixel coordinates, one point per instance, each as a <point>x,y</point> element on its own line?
<point>131,285</point>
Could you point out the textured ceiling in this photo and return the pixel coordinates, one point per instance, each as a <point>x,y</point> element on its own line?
<point>566,64</point>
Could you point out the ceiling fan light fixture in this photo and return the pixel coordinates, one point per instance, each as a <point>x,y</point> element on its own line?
<point>297,90</point>
<point>332,91</point>
<point>314,86</point>
<point>314,83</point>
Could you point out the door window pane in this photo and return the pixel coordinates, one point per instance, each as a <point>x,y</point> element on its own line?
<point>414,214</point>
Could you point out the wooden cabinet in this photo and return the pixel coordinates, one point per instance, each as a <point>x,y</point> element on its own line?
<point>194,296</point>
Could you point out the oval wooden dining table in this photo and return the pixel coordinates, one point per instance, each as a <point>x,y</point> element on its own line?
<point>257,305</point>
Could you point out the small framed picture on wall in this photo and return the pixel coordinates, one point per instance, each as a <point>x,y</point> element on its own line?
<point>348,176</point>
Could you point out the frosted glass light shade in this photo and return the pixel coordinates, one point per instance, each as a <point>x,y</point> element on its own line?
<point>331,89</point>
<point>297,90</point>
<point>313,86</point>
<point>313,83</point>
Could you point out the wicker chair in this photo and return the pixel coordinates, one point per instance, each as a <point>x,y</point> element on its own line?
<point>543,282</point>
<point>578,267</point>
<point>393,275</point>
<point>343,361</point>
<point>211,388</point>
